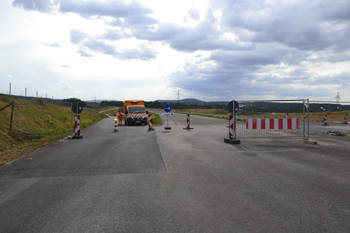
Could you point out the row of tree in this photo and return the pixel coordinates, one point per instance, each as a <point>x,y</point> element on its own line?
<point>246,107</point>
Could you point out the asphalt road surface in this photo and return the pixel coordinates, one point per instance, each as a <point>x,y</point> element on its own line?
<point>178,181</point>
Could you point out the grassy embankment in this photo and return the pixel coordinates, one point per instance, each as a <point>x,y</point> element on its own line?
<point>156,118</point>
<point>33,118</point>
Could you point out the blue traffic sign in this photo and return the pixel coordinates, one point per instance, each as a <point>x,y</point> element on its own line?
<point>167,108</point>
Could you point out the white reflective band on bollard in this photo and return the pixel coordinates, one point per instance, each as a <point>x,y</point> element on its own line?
<point>77,124</point>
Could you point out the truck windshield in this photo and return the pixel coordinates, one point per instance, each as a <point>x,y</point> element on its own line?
<point>136,109</point>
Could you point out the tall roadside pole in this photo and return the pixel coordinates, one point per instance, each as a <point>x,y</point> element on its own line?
<point>233,107</point>
<point>13,104</point>
<point>71,117</point>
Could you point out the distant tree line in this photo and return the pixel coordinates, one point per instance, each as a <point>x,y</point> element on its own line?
<point>160,105</point>
<point>247,107</point>
<point>111,103</point>
<point>75,100</point>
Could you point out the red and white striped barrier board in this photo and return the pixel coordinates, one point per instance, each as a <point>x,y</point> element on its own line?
<point>345,119</point>
<point>325,120</point>
<point>77,124</point>
<point>262,123</point>
<point>150,122</point>
<point>116,125</point>
<point>232,131</point>
<point>188,122</point>
<point>286,116</point>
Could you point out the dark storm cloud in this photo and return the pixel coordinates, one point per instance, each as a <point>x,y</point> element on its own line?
<point>36,5</point>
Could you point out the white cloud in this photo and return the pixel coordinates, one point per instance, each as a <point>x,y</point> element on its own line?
<point>207,49</point>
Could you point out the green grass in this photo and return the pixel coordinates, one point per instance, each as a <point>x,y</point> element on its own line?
<point>156,118</point>
<point>218,117</point>
<point>35,124</point>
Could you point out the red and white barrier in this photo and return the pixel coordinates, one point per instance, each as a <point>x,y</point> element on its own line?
<point>116,125</point>
<point>261,123</point>
<point>232,131</point>
<point>345,119</point>
<point>287,116</point>
<point>325,120</point>
<point>77,124</point>
<point>188,122</point>
<point>150,122</point>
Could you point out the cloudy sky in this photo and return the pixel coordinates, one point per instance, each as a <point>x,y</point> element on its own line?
<point>151,49</point>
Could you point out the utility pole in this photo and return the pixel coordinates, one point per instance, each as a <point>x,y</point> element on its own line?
<point>337,98</point>
<point>10,90</point>
<point>178,96</point>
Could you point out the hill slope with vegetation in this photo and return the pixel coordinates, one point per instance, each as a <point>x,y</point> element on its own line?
<point>35,124</point>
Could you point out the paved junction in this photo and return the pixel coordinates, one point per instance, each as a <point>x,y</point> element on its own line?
<point>178,181</point>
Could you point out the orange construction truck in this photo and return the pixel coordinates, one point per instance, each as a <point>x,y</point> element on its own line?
<point>135,112</point>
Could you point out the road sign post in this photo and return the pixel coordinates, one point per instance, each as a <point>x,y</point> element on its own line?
<point>233,108</point>
<point>167,108</point>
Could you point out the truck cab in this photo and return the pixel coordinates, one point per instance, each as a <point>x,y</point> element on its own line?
<point>135,112</point>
